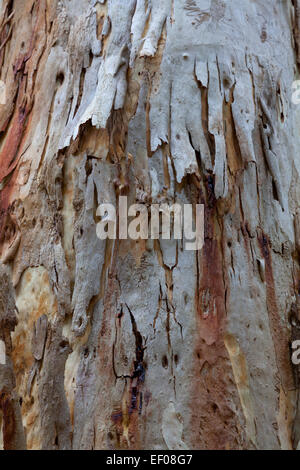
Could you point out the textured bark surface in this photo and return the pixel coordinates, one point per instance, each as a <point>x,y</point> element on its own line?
<point>143,345</point>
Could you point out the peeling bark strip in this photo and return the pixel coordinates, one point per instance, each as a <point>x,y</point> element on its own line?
<point>123,344</point>
<point>13,430</point>
<point>296,5</point>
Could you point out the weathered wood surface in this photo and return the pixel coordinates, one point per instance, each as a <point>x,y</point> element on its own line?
<point>145,345</point>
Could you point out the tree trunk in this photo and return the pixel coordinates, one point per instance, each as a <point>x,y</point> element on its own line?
<point>142,344</point>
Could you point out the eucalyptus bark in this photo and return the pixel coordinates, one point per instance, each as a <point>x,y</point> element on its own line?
<point>142,344</point>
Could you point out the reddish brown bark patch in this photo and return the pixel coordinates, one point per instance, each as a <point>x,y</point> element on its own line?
<point>9,424</point>
<point>280,334</point>
<point>213,423</point>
